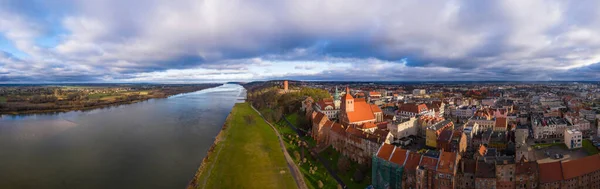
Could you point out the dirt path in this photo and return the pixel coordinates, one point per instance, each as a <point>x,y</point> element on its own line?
<point>293,167</point>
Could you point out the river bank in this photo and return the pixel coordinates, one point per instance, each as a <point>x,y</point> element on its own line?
<point>246,151</point>
<point>58,107</point>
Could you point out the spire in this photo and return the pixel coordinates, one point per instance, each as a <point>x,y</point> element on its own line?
<point>336,96</point>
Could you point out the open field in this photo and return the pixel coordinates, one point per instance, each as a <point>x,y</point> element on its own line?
<point>248,155</point>
<point>589,147</point>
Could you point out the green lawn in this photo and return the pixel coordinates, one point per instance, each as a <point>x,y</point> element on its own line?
<point>250,155</point>
<point>2,99</point>
<point>540,146</point>
<point>312,178</point>
<point>98,95</point>
<point>589,147</point>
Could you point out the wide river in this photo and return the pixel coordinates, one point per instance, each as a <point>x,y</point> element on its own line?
<point>158,143</point>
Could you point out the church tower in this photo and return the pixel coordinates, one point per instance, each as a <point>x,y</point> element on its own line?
<point>336,99</point>
<point>348,102</point>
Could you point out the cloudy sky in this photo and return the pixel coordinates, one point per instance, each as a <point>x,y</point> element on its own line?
<point>244,40</point>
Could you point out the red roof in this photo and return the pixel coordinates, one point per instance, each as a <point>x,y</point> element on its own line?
<point>579,167</point>
<point>447,162</point>
<point>414,108</point>
<point>362,112</point>
<point>385,151</point>
<point>367,125</point>
<point>375,108</point>
<point>347,95</point>
<point>550,172</point>
<point>374,94</point>
<point>501,122</point>
<point>412,161</point>
<point>399,156</point>
<point>429,162</point>
<point>326,102</point>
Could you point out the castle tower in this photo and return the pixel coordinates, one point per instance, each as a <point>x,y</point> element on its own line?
<point>348,102</point>
<point>285,85</point>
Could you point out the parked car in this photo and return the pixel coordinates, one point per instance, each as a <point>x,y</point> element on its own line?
<point>558,156</point>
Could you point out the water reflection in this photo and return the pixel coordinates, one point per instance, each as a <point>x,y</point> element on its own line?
<point>153,144</point>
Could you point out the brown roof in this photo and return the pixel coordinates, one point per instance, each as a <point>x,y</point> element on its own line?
<point>414,108</point>
<point>385,151</point>
<point>326,102</point>
<point>374,94</point>
<point>338,128</point>
<point>447,162</point>
<point>470,166</point>
<point>412,161</point>
<point>446,135</point>
<point>550,172</point>
<point>319,117</point>
<point>581,166</point>
<point>485,170</point>
<point>501,122</point>
<point>399,156</point>
<point>523,167</point>
<point>429,162</point>
<point>347,95</point>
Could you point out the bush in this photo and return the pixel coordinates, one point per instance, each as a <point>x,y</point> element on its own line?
<point>343,164</point>
<point>358,176</point>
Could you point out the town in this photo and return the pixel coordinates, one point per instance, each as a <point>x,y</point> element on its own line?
<point>461,135</point>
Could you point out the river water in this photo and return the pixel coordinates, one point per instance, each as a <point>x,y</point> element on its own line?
<point>158,143</point>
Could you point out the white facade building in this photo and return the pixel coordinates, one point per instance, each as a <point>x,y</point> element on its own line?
<point>573,138</point>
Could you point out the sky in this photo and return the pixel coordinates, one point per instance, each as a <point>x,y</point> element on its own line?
<point>190,41</point>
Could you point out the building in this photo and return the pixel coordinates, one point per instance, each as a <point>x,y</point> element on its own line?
<point>485,175</point>
<point>358,111</point>
<point>446,170</point>
<point>403,127</point>
<point>419,92</point>
<point>434,131</point>
<point>285,85</point>
<point>412,110</point>
<point>425,172</point>
<point>550,175</point>
<point>410,168</point>
<point>573,138</point>
<point>526,174</point>
<point>505,174</point>
<point>444,139</point>
<point>466,174</point>
<point>328,107</point>
<point>388,166</point>
<point>581,173</point>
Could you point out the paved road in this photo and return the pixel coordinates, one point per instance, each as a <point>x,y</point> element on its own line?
<point>290,162</point>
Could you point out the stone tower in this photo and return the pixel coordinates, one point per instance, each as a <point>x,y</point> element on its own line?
<point>285,85</point>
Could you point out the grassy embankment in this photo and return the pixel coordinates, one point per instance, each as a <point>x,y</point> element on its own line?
<point>247,155</point>
<point>313,171</point>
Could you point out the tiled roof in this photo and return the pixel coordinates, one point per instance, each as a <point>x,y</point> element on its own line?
<point>579,167</point>
<point>362,112</point>
<point>399,156</point>
<point>319,117</point>
<point>530,167</point>
<point>482,150</point>
<point>470,166</point>
<point>412,161</point>
<point>374,93</point>
<point>429,162</point>
<point>550,172</point>
<point>413,108</point>
<point>447,162</point>
<point>485,170</point>
<point>446,135</point>
<point>375,108</point>
<point>326,102</point>
<point>501,122</point>
<point>385,151</point>
<point>367,125</point>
